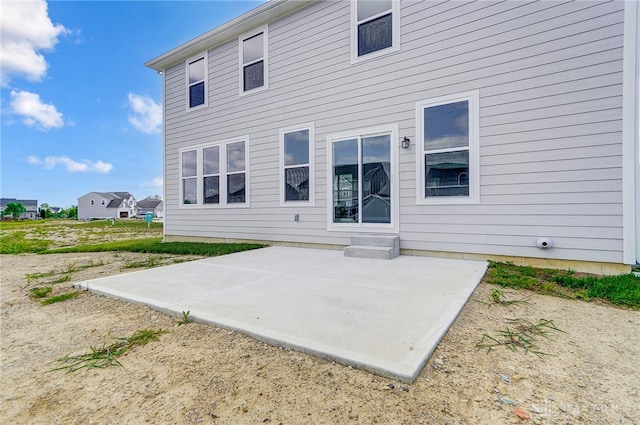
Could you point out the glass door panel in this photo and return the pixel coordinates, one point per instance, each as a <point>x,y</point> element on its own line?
<point>376,180</point>
<point>346,185</point>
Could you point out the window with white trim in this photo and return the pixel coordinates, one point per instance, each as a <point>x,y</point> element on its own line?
<point>448,140</point>
<point>211,175</point>
<point>93,202</point>
<point>189,177</point>
<point>375,28</point>
<point>215,174</point>
<point>253,61</point>
<point>103,202</point>
<point>296,165</point>
<point>197,81</point>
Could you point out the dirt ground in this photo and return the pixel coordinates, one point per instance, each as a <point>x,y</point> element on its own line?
<point>198,373</point>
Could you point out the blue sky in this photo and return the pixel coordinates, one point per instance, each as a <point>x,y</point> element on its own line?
<point>79,111</point>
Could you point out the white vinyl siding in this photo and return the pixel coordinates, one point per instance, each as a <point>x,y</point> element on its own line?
<point>549,79</point>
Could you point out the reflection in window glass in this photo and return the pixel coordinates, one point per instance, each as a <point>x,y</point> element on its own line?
<point>252,48</point>
<point>446,126</point>
<point>236,188</point>
<point>447,174</point>
<point>374,26</point>
<point>189,167</point>
<point>189,189</point>
<point>211,160</point>
<point>211,186</point>
<point>235,157</point>
<point>376,180</point>
<point>345,181</point>
<point>253,71</point>
<point>369,8</point>
<point>253,76</point>
<point>196,70</point>
<point>296,165</point>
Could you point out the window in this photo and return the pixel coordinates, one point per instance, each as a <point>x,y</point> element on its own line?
<point>375,28</point>
<point>236,176</point>
<point>296,165</point>
<point>253,61</point>
<point>93,202</point>
<point>215,174</point>
<point>448,149</point>
<point>189,177</point>
<point>103,202</point>
<point>197,81</point>
<point>361,186</point>
<point>211,175</point>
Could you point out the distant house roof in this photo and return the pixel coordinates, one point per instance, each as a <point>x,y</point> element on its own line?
<point>33,203</point>
<point>149,203</point>
<point>115,198</point>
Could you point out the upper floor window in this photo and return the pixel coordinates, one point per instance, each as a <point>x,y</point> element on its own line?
<point>103,202</point>
<point>93,202</point>
<point>253,61</point>
<point>296,165</point>
<point>197,81</point>
<point>448,149</point>
<point>375,28</point>
<point>215,174</point>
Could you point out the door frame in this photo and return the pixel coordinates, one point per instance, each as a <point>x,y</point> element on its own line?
<point>393,227</point>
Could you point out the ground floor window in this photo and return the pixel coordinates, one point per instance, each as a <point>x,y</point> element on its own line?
<point>215,174</point>
<point>296,165</point>
<point>447,130</point>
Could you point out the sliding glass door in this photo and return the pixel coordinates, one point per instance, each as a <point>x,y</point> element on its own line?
<point>362,179</point>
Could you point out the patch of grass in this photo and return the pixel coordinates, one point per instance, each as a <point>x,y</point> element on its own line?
<point>35,276</point>
<point>59,298</point>
<point>40,291</point>
<point>107,355</point>
<point>61,279</point>
<point>185,318</point>
<point>156,246</point>
<point>498,297</point>
<point>149,263</point>
<point>621,290</point>
<point>525,335</point>
<point>17,243</point>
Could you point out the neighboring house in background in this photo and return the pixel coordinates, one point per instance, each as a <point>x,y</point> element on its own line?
<point>468,129</point>
<point>31,206</point>
<point>152,205</point>
<point>106,205</point>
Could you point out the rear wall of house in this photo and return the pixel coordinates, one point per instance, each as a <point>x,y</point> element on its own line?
<point>549,75</point>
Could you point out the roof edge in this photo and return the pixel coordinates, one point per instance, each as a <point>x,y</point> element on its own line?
<point>265,13</point>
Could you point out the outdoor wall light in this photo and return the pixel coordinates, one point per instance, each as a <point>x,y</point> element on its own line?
<point>405,142</point>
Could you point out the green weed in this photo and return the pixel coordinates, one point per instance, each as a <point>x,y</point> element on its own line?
<point>40,292</point>
<point>59,298</point>
<point>185,318</point>
<point>150,262</point>
<point>107,355</point>
<point>524,335</point>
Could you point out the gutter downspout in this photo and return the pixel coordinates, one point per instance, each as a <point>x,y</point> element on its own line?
<point>630,147</point>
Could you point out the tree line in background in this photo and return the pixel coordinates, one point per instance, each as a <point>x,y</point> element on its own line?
<point>14,209</point>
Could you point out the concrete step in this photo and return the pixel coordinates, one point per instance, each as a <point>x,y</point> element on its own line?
<point>391,241</point>
<point>377,252</point>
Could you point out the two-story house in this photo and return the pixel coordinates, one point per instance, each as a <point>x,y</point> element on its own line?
<point>488,129</point>
<point>106,205</point>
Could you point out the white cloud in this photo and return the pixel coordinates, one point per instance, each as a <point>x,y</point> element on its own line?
<point>83,166</point>
<point>147,114</point>
<point>36,113</point>
<point>153,183</point>
<point>25,30</point>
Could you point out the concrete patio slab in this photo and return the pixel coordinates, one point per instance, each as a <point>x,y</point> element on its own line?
<point>386,317</point>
